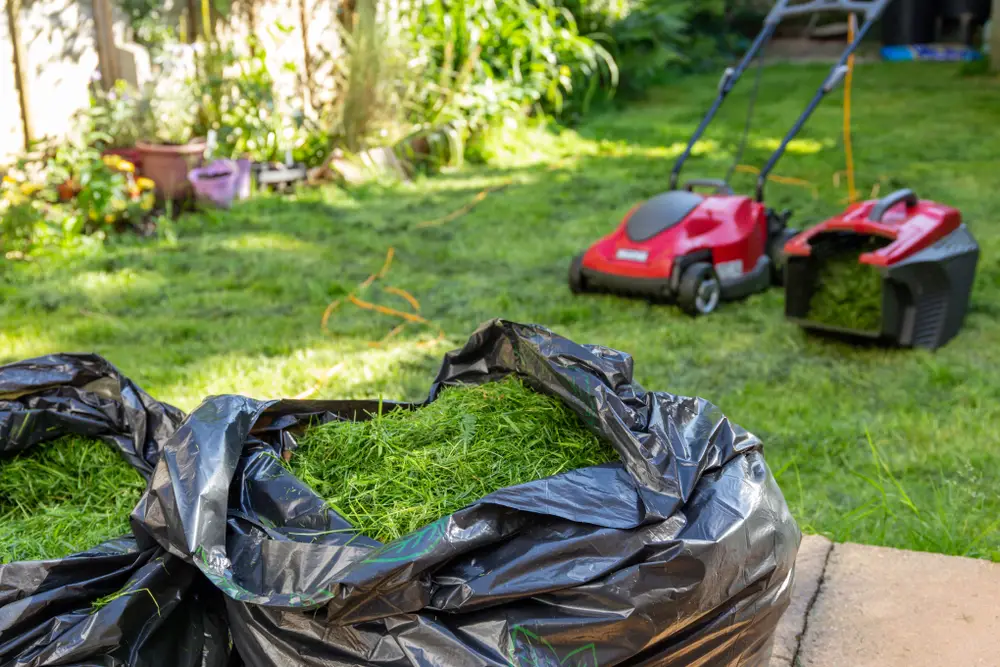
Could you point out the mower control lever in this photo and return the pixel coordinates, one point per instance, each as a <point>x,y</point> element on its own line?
<point>886,203</point>
<point>726,82</point>
<point>721,187</point>
<point>836,78</point>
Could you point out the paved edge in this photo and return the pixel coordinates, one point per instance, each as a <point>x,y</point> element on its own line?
<point>882,607</point>
<point>810,567</point>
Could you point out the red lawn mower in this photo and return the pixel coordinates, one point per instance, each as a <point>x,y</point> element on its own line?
<point>696,250</point>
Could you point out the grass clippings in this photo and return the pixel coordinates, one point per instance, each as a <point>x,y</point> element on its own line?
<point>848,294</point>
<point>402,470</point>
<point>63,497</point>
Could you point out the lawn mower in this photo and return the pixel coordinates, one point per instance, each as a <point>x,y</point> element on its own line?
<point>694,249</point>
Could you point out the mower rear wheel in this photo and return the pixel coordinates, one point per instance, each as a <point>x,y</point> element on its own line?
<point>776,251</point>
<point>577,283</point>
<point>700,291</point>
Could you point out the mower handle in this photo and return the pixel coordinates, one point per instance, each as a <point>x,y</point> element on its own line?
<point>721,187</point>
<point>872,10</point>
<point>886,203</point>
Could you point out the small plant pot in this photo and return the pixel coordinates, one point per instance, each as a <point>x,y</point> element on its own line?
<point>168,165</point>
<point>221,182</point>
<point>67,190</point>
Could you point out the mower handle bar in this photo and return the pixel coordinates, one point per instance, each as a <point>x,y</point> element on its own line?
<point>872,9</point>
<point>886,203</point>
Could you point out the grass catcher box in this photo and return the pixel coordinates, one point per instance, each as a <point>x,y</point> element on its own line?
<point>897,270</point>
<point>676,548</point>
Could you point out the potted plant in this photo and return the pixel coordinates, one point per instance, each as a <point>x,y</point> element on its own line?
<point>168,149</point>
<point>110,124</point>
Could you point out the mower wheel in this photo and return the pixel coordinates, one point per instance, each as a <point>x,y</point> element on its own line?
<point>577,283</point>
<point>776,252</point>
<point>700,291</point>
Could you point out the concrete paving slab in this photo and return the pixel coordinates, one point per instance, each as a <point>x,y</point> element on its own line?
<point>881,607</point>
<point>809,565</point>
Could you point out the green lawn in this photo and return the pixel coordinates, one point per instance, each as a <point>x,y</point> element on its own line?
<point>235,304</point>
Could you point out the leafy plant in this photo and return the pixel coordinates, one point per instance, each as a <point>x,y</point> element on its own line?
<point>493,56</point>
<point>598,16</point>
<point>168,107</point>
<point>111,120</point>
<point>76,191</point>
<point>658,38</point>
<point>151,24</point>
<point>236,100</point>
<point>23,216</point>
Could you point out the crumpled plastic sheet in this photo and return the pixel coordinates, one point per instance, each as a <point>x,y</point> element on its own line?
<point>168,615</point>
<point>681,554</point>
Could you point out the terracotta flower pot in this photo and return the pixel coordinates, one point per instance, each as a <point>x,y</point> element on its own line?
<point>168,165</point>
<point>67,190</point>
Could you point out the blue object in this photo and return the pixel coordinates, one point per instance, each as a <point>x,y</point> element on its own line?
<point>930,52</point>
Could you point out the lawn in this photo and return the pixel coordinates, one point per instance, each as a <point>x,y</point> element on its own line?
<point>873,445</point>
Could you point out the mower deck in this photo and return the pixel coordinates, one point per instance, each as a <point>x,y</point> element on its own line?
<point>685,248</point>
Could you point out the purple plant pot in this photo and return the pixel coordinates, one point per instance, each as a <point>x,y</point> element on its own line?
<point>243,181</point>
<point>222,181</point>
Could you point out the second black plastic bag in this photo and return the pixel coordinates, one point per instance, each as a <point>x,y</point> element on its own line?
<point>113,604</point>
<point>680,554</point>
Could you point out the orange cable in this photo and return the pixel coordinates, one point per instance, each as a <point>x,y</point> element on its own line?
<point>410,299</point>
<point>787,180</point>
<point>368,305</point>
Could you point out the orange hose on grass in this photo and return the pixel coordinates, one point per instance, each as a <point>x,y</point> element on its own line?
<point>410,299</point>
<point>787,180</point>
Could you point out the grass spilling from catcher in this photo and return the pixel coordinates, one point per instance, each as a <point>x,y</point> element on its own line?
<point>401,470</point>
<point>849,294</point>
<point>63,497</point>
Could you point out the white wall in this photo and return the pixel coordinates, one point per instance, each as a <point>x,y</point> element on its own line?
<point>57,37</point>
<point>60,50</point>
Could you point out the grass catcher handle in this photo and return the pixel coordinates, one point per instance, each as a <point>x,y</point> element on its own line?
<point>721,187</point>
<point>882,207</point>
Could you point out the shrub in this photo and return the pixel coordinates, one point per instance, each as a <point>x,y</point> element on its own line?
<point>488,58</point>
<point>660,38</point>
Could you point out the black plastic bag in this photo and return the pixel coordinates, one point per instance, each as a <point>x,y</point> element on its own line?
<point>680,555</point>
<point>158,610</point>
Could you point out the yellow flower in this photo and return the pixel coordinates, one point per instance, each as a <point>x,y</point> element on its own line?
<point>109,218</point>
<point>147,202</point>
<point>92,215</point>
<point>28,189</point>
<point>126,166</point>
<point>9,180</point>
<point>111,161</point>
<point>13,197</point>
<point>145,183</point>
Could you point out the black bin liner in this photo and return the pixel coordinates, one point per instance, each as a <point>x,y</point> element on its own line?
<point>681,554</point>
<point>170,615</point>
